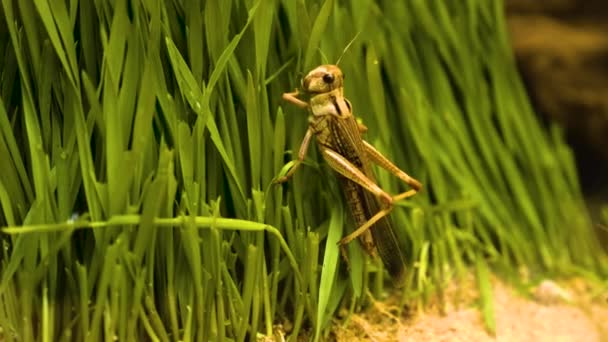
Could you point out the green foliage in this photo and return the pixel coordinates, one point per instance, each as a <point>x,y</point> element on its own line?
<point>139,140</point>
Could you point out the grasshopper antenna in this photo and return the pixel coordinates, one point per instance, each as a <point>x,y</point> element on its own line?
<point>347,47</point>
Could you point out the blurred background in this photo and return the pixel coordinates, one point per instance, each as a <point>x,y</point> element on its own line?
<point>561,48</point>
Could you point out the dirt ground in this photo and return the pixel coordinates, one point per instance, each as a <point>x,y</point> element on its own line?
<point>553,313</point>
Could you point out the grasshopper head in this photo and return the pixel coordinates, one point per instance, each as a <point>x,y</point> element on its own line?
<point>323,79</point>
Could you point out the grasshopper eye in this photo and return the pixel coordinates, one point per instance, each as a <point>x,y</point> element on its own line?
<point>328,78</point>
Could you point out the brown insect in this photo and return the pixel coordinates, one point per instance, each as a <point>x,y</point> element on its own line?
<point>339,139</point>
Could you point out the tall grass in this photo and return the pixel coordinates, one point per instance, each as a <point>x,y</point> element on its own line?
<point>139,141</point>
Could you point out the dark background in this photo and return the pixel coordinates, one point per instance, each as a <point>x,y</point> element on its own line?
<point>561,48</point>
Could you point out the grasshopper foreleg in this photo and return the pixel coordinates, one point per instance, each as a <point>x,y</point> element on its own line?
<point>293,98</point>
<point>301,156</point>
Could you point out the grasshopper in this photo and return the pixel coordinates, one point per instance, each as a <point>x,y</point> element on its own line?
<point>339,137</point>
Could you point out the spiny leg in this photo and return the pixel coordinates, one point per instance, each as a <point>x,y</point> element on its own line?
<point>404,195</point>
<point>350,171</point>
<point>367,225</point>
<point>378,158</point>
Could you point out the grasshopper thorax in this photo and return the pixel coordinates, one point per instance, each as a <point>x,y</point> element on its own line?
<point>323,79</point>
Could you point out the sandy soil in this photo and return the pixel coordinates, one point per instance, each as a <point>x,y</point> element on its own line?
<point>570,314</point>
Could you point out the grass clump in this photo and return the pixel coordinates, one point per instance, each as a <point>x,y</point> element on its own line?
<point>139,140</point>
